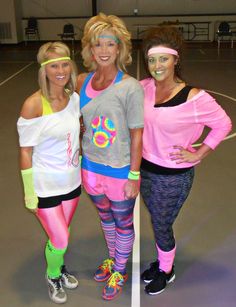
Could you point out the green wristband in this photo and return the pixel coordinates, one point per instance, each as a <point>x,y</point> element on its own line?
<point>134,175</point>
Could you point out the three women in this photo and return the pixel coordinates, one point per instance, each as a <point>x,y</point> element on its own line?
<point>111,104</point>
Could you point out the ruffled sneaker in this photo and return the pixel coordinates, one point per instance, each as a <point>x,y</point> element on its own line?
<point>104,270</point>
<point>114,285</point>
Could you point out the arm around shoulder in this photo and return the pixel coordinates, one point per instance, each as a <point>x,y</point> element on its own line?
<point>80,81</point>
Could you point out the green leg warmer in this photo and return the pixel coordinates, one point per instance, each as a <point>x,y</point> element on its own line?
<point>55,260</point>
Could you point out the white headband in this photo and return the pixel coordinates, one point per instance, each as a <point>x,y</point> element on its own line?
<point>162,50</point>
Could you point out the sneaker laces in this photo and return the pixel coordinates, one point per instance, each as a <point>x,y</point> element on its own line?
<point>107,264</point>
<point>114,279</point>
<point>57,283</point>
<point>65,272</point>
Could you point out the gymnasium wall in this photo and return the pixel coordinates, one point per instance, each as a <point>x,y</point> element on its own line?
<point>53,14</point>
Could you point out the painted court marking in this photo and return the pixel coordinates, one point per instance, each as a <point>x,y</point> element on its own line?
<point>223,95</point>
<point>15,74</point>
<point>135,294</point>
<point>230,136</point>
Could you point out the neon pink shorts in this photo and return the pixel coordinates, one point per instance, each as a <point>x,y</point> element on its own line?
<point>96,184</point>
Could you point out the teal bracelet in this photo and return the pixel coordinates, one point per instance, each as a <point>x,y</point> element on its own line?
<point>134,175</point>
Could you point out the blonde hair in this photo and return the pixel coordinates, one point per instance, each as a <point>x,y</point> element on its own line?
<point>44,55</point>
<point>94,27</point>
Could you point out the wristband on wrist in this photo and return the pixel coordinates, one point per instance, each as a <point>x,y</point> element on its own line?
<point>31,199</point>
<point>27,171</point>
<point>134,175</point>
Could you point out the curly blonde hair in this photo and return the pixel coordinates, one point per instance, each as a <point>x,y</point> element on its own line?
<point>94,27</point>
<point>43,55</point>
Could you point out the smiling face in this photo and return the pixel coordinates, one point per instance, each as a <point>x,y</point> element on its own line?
<point>58,73</point>
<point>106,49</point>
<point>162,66</point>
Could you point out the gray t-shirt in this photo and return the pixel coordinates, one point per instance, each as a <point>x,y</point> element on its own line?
<point>108,118</point>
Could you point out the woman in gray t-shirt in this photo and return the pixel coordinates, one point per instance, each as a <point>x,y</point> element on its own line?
<point>112,110</point>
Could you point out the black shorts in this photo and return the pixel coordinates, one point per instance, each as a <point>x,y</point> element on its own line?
<point>53,201</point>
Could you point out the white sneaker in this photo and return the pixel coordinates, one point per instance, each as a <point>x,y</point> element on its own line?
<point>68,281</point>
<point>56,293</point>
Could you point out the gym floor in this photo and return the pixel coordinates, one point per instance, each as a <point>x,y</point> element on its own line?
<point>205,229</point>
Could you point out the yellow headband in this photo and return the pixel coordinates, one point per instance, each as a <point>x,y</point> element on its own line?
<point>55,60</point>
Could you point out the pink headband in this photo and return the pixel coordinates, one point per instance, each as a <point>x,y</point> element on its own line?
<point>162,50</point>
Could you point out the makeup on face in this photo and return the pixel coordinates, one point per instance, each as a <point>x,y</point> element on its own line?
<point>161,62</point>
<point>58,69</point>
<point>105,49</point>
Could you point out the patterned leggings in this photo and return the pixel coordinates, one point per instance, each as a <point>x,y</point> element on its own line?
<point>117,224</point>
<point>164,196</point>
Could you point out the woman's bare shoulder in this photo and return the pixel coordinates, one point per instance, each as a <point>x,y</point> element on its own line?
<point>194,91</point>
<point>32,106</point>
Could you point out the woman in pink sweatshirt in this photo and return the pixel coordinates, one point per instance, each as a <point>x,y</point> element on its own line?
<point>175,115</point>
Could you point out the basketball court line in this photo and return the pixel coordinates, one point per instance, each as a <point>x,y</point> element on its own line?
<point>135,294</point>
<point>202,51</point>
<point>223,95</point>
<point>211,61</point>
<point>15,74</point>
<point>232,135</point>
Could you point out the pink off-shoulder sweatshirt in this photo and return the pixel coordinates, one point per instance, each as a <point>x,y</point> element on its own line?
<point>181,125</point>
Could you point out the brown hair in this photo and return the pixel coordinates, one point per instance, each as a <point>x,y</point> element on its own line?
<point>166,36</point>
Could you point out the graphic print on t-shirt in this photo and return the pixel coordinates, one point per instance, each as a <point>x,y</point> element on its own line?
<point>104,133</point>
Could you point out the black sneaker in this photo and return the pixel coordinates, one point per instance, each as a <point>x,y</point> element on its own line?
<point>148,275</point>
<point>158,284</point>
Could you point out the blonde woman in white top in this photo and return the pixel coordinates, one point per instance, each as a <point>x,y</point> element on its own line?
<point>49,158</point>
